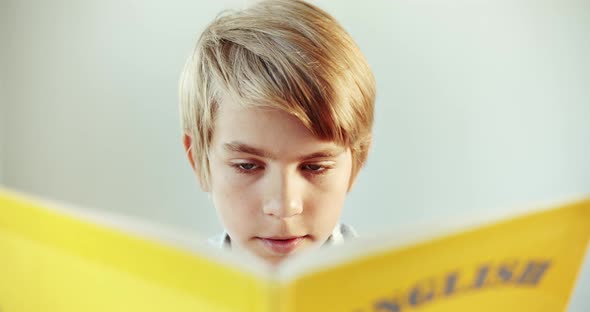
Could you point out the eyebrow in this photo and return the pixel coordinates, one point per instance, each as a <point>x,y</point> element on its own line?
<point>238,147</point>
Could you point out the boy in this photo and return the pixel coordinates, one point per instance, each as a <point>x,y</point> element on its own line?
<point>277,111</point>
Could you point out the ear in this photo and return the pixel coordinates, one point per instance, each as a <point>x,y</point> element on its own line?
<point>354,172</point>
<point>360,163</point>
<point>353,177</point>
<point>187,141</point>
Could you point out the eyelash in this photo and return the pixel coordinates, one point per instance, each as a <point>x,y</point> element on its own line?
<point>239,168</point>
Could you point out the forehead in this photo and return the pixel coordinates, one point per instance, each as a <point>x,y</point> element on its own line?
<point>268,128</point>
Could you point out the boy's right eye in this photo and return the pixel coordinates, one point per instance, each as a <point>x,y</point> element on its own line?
<point>245,167</point>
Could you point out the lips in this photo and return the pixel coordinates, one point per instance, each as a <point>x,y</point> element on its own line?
<point>282,245</point>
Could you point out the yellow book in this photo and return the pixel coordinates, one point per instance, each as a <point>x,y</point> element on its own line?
<point>54,258</point>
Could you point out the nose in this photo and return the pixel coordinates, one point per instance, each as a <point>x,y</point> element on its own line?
<point>283,195</point>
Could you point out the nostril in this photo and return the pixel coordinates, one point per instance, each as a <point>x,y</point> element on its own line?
<point>282,208</point>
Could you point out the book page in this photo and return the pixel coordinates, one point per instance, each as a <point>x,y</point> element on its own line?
<point>53,261</point>
<point>528,263</point>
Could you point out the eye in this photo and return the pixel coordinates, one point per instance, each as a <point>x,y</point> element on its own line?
<point>246,167</point>
<point>315,168</point>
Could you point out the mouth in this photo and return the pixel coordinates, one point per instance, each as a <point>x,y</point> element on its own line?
<point>282,245</point>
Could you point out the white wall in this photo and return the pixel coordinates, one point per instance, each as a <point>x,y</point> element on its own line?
<point>481,105</point>
<point>3,97</point>
<point>2,131</point>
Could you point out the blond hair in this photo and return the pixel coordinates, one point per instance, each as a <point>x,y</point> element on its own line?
<point>285,54</point>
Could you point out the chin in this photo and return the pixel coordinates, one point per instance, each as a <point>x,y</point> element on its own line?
<point>275,261</point>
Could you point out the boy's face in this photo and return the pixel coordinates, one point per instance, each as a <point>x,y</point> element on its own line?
<point>277,188</point>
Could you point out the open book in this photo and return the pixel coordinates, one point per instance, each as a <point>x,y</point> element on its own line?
<point>54,258</point>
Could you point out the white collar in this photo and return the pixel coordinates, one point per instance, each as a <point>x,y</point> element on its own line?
<point>340,233</point>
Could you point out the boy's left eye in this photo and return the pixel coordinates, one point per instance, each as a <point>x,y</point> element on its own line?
<point>314,167</point>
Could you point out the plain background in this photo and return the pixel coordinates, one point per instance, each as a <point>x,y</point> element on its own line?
<point>482,106</point>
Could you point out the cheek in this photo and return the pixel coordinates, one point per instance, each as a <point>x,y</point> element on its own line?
<point>324,214</point>
<point>234,199</point>
<point>327,199</point>
<point>327,203</point>
<point>336,184</point>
